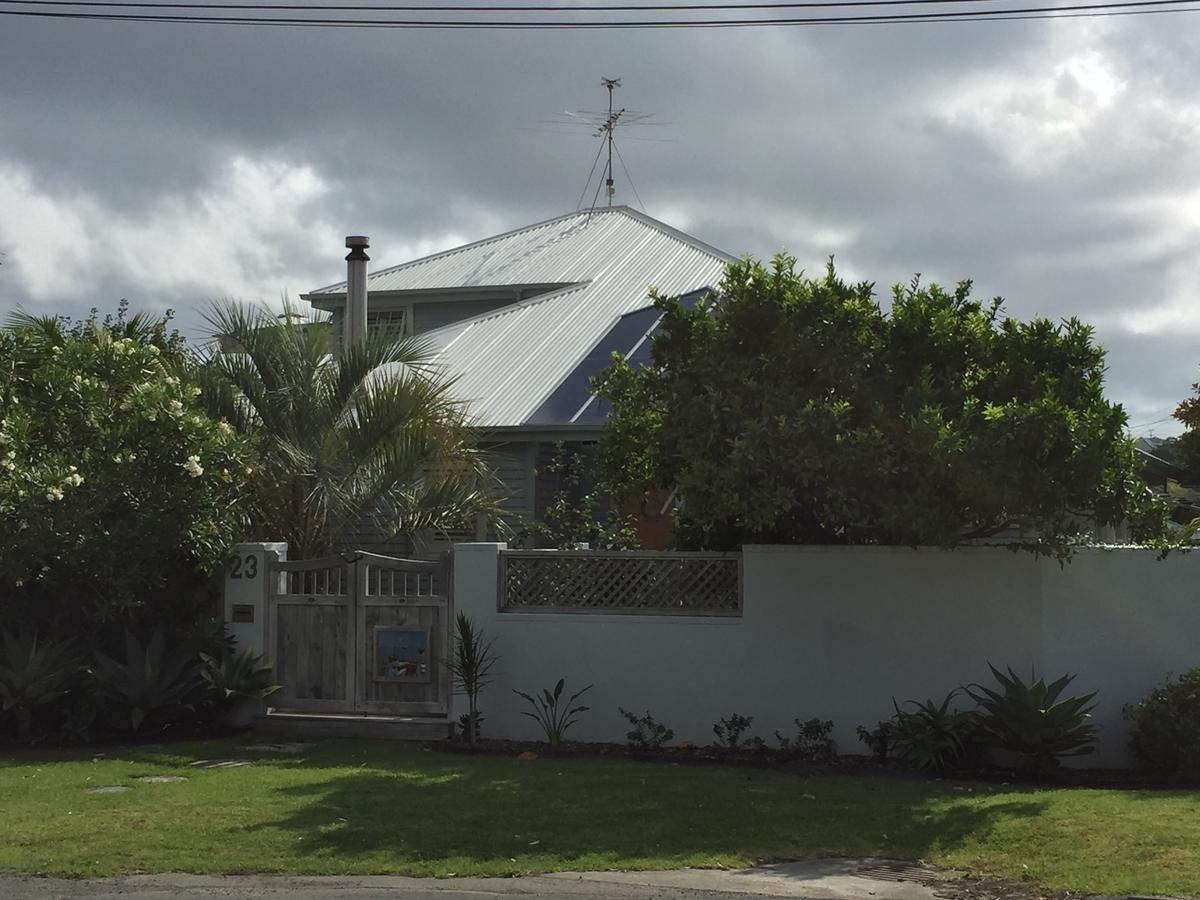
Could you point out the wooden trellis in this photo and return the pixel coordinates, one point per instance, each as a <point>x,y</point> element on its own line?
<point>704,584</point>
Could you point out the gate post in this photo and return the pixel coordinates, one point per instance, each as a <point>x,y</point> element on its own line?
<point>250,579</point>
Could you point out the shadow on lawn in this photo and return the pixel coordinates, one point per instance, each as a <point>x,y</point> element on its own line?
<point>518,816</point>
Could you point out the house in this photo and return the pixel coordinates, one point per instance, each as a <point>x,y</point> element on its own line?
<point>524,319</point>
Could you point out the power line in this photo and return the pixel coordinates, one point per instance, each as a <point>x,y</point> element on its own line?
<point>1125,8</point>
<point>1141,425</point>
<point>444,8</point>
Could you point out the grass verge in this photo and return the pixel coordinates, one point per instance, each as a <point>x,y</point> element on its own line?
<point>362,807</point>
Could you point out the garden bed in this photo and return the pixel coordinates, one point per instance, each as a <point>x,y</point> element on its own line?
<point>844,764</point>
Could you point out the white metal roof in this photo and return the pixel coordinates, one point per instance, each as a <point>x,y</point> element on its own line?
<point>570,248</point>
<point>509,360</point>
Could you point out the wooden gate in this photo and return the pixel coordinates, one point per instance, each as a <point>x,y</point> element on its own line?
<point>361,634</point>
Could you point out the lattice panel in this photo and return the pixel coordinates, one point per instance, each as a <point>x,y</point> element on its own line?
<point>693,584</point>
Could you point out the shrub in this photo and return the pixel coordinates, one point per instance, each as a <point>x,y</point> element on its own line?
<point>932,736</point>
<point>470,725</point>
<point>553,715</point>
<point>1031,721</point>
<point>32,674</point>
<point>1165,728</point>
<point>812,743</point>
<point>647,733</point>
<point>879,740</point>
<point>111,476</point>
<point>154,681</point>
<point>729,731</point>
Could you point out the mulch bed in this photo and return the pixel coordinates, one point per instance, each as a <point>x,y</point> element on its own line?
<point>850,764</point>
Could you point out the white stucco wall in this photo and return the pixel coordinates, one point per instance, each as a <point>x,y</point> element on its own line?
<point>836,632</point>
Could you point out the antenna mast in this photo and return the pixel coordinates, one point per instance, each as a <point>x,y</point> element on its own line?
<point>607,129</point>
<point>604,125</point>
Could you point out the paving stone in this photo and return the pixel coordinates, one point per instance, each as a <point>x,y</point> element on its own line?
<point>220,763</point>
<point>109,789</point>
<point>161,779</point>
<point>277,748</point>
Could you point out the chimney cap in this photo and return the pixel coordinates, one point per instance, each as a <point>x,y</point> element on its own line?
<point>357,240</point>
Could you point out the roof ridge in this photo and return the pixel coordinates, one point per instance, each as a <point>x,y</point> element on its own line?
<point>645,219</point>
<point>481,242</point>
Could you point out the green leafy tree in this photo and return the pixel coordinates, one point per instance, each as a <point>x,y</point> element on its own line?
<point>1185,449</point>
<point>578,512</point>
<point>370,434</point>
<point>117,491</point>
<point>796,410</point>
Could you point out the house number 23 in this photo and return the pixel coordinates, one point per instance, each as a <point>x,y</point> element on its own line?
<point>244,567</point>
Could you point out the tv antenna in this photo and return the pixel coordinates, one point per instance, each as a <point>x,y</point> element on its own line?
<point>603,124</point>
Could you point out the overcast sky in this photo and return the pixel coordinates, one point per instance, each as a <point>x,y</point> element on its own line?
<point>1055,163</point>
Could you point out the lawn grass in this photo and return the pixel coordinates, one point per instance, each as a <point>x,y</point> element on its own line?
<point>369,807</point>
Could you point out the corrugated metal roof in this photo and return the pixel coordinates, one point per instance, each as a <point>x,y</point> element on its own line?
<point>509,361</point>
<point>572,401</point>
<point>571,248</point>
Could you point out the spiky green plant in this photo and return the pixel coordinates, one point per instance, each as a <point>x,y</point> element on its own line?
<point>471,666</point>
<point>153,681</point>
<point>550,712</point>
<point>344,436</point>
<point>32,673</point>
<point>1030,721</point>
<point>933,736</point>
<point>237,676</point>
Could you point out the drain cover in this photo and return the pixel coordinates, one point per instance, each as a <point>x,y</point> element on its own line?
<point>898,871</point>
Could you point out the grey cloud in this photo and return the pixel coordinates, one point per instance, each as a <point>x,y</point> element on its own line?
<point>821,141</point>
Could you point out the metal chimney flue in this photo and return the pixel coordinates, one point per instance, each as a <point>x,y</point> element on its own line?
<point>354,328</point>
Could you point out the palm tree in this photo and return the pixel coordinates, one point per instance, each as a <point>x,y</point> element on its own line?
<point>372,433</point>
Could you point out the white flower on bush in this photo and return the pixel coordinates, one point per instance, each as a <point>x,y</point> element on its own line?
<point>54,494</point>
<point>175,407</point>
<point>193,467</point>
<point>75,480</point>
<point>224,427</point>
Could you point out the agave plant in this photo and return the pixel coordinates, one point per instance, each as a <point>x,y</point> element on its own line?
<point>1030,721</point>
<point>32,674</point>
<point>931,735</point>
<point>237,676</point>
<point>551,713</point>
<point>154,680</point>
<point>370,433</point>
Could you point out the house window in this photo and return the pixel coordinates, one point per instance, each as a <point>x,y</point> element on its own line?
<point>397,322</point>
